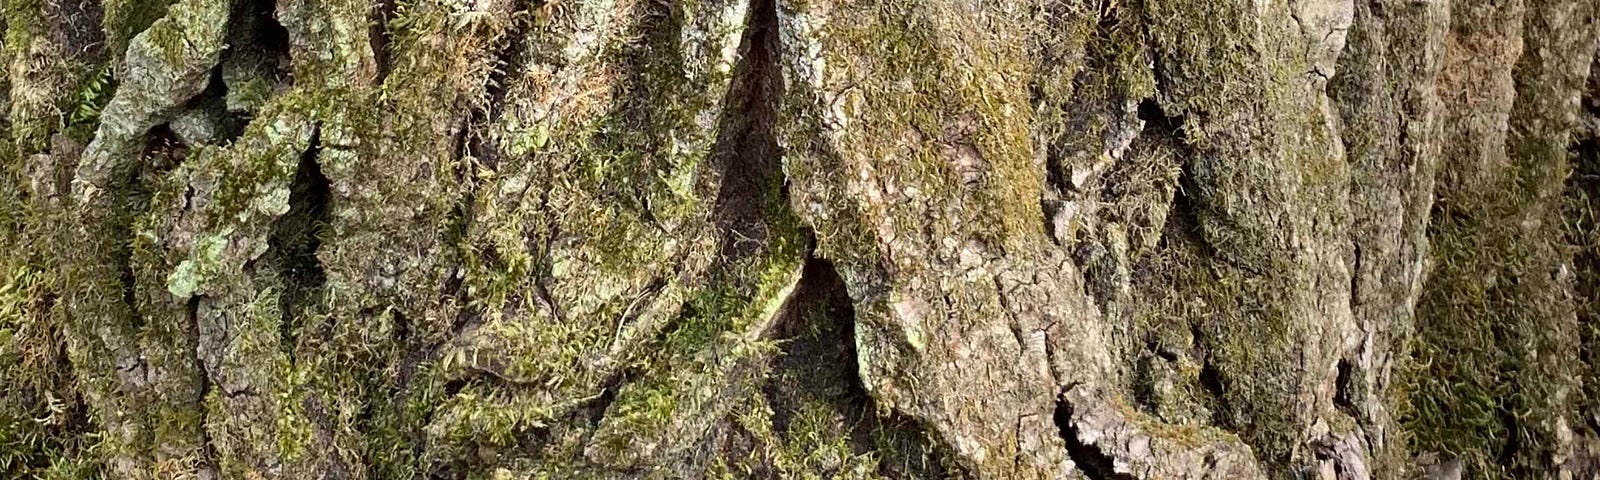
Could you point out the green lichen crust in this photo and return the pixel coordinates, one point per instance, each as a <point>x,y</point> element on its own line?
<point>139,377</point>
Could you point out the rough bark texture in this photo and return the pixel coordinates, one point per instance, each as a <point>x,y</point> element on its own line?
<point>1098,239</point>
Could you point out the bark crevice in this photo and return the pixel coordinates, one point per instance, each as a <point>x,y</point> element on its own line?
<point>1088,458</point>
<point>294,241</point>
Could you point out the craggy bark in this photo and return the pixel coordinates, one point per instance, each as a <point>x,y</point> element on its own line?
<point>1338,239</point>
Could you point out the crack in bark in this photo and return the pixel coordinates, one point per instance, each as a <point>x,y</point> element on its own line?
<point>208,452</point>
<point>1344,390</point>
<point>1088,458</point>
<point>295,239</point>
<point>818,338</point>
<point>746,152</point>
<point>257,40</point>
<point>379,37</point>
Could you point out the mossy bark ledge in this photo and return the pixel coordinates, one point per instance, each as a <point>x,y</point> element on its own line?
<point>1033,239</point>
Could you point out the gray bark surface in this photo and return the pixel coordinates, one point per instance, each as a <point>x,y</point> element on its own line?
<point>1033,239</point>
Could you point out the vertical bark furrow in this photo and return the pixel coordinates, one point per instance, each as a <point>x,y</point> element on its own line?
<point>1498,311</point>
<point>1583,211</point>
<point>1384,91</point>
<point>1333,239</point>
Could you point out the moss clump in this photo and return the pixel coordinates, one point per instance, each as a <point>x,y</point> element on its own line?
<point>1473,384</point>
<point>28,445</point>
<point>715,349</point>
<point>92,96</point>
<point>42,79</point>
<point>44,427</point>
<point>125,19</point>
<point>1497,353</point>
<point>816,443</point>
<point>1231,372</point>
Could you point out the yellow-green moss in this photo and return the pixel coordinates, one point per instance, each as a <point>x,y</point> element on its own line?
<point>124,19</point>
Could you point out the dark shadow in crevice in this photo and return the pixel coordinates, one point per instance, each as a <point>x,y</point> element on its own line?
<point>208,453</point>
<point>471,150</point>
<point>1344,390</point>
<point>258,44</point>
<point>594,411</point>
<point>380,39</point>
<point>1095,464</point>
<point>1583,233</point>
<point>212,105</point>
<point>1166,277</point>
<point>294,240</point>
<point>818,366</point>
<point>161,152</point>
<point>1506,410</point>
<point>1156,120</point>
<point>746,153</point>
<point>1211,380</point>
<point>1355,274</point>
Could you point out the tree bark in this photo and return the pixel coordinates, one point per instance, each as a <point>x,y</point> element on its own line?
<point>1335,239</point>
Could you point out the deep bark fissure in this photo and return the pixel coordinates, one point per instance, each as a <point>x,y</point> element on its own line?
<point>1157,121</point>
<point>1224,341</point>
<point>295,239</point>
<point>1088,458</point>
<point>1344,390</point>
<point>821,287</point>
<point>1583,199</point>
<point>818,362</point>
<point>1210,379</point>
<point>1355,273</point>
<point>161,152</point>
<point>208,448</point>
<point>213,101</point>
<point>458,221</point>
<point>594,411</point>
<point>1506,409</point>
<point>379,38</point>
<point>746,153</point>
<point>257,41</point>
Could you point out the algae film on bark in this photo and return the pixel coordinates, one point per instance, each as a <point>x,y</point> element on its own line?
<point>997,239</point>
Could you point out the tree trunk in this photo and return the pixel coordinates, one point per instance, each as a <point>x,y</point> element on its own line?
<point>1102,239</point>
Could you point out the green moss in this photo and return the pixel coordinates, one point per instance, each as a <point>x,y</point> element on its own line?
<point>1496,359</point>
<point>1477,382</point>
<point>42,432</point>
<point>954,127</point>
<point>1246,339</point>
<point>84,114</point>
<point>815,444</point>
<point>33,100</point>
<point>125,19</point>
<point>1464,378</point>
<point>484,418</point>
<point>717,334</point>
